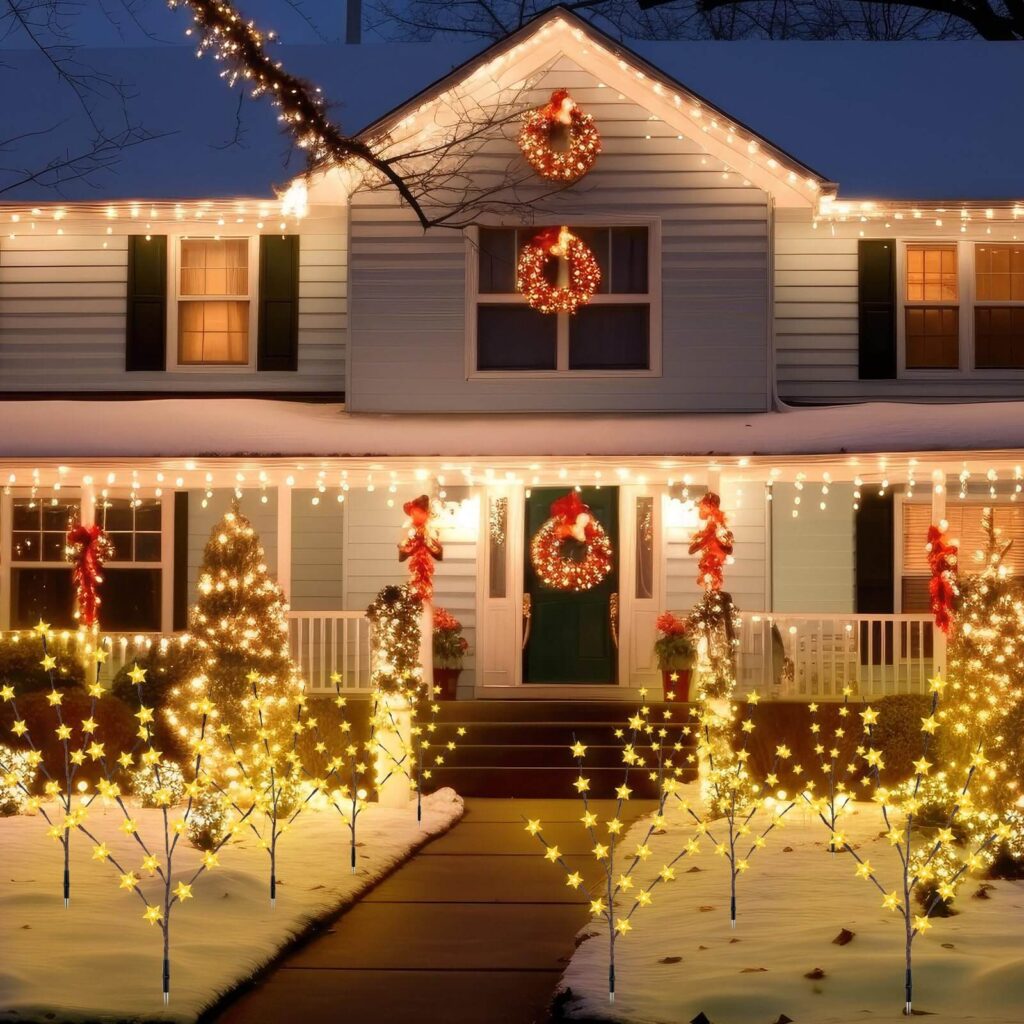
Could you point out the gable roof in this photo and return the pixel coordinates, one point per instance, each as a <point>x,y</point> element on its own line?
<point>887,120</point>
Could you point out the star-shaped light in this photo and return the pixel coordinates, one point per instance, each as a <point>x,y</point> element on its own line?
<point>137,675</point>
<point>153,914</point>
<point>183,892</point>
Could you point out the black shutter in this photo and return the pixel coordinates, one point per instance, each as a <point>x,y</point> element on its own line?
<point>876,307</point>
<point>875,553</point>
<point>146,325</point>
<point>278,347</point>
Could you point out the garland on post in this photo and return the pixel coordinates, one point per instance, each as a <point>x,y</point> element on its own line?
<point>421,547</point>
<point>560,115</point>
<point>714,542</point>
<point>531,272</point>
<point>87,547</point>
<point>942,587</point>
<point>571,531</point>
<point>395,651</point>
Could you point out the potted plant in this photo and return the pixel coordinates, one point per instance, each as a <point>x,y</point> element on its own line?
<point>676,654</point>
<point>450,647</point>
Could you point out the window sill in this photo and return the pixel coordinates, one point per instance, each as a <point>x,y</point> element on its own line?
<point>559,374</point>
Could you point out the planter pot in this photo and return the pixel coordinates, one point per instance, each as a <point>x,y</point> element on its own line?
<point>677,689</point>
<point>446,681</point>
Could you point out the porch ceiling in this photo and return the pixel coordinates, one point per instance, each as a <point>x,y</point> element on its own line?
<point>252,443</point>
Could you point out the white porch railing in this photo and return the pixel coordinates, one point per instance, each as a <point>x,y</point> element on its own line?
<point>812,656</point>
<point>326,642</point>
<point>321,643</point>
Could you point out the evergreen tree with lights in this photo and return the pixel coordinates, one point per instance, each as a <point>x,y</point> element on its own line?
<point>239,631</point>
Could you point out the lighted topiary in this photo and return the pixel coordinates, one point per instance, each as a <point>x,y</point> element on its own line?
<point>239,631</point>
<point>395,658</point>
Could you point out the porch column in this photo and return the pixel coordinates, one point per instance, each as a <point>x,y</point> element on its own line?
<point>284,540</point>
<point>938,515</point>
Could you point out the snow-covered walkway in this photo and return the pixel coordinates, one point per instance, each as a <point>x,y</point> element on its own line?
<point>100,961</point>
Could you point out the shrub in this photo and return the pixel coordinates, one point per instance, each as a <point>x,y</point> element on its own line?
<point>164,791</point>
<point>16,777</point>
<point>20,658</point>
<point>209,821</point>
<point>115,728</point>
<point>450,646</point>
<point>897,733</point>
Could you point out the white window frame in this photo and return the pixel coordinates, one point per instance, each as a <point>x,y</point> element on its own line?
<point>989,304</point>
<point>966,302</point>
<point>651,298</point>
<point>174,289</point>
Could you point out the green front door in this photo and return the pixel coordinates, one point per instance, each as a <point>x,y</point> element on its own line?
<point>570,638</point>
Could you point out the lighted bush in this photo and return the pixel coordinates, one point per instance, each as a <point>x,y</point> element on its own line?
<point>158,788</point>
<point>209,821</point>
<point>16,775</point>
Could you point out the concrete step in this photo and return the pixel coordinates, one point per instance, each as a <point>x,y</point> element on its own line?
<point>493,781</point>
<point>523,755</point>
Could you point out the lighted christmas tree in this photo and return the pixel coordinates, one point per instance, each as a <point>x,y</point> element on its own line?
<point>239,631</point>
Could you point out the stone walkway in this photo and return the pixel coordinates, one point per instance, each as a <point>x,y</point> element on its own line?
<point>475,929</point>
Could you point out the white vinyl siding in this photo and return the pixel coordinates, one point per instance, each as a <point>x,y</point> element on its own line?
<point>317,557</point>
<point>408,346</point>
<point>62,314</point>
<point>816,343</point>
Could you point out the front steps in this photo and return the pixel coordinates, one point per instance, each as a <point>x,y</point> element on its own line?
<point>520,748</point>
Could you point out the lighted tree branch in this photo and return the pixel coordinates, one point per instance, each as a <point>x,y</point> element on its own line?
<point>57,787</point>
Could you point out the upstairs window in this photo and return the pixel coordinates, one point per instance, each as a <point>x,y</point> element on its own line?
<point>614,333</point>
<point>999,307</point>
<point>213,300</point>
<point>932,324</point>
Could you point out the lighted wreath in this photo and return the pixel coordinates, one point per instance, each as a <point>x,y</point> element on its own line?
<point>571,551</point>
<point>532,272</point>
<point>542,127</point>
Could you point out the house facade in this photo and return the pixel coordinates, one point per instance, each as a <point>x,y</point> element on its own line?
<point>842,371</point>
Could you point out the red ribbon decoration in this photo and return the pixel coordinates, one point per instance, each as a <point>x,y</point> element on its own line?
<point>714,542</point>
<point>942,588</point>
<point>87,548</point>
<point>567,510</point>
<point>421,548</point>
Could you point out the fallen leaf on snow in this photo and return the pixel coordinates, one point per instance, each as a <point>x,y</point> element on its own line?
<point>670,960</point>
<point>816,974</point>
<point>844,937</point>
<point>754,970</point>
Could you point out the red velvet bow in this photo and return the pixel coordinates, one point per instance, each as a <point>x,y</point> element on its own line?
<point>567,510</point>
<point>87,547</point>
<point>714,542</point>
<point>553,107</point>
<point>942,588</point>
<point>420,547</point>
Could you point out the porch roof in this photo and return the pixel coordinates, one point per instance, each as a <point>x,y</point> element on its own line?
<point>211,441</point>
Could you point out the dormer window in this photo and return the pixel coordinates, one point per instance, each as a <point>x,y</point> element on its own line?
<point>617,332</point>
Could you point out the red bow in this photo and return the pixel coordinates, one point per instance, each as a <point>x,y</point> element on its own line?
<point>714,542</point>
<point>87,548</point>
<point>942,588</point>
<point>420,547</point>
<point>567,510</point>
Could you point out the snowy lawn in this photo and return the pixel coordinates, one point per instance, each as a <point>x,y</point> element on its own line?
<point>99,961</point>
<point>682,959</point>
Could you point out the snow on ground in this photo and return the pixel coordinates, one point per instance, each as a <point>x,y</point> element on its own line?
<point>99,961</point>
<point>682,958</point>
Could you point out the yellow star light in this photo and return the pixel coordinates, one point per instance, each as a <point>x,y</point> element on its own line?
<point>154,915</point>
<point>41,628</point>
<point>574,881</point>
<point>552,853</point>
<point>891,901</point>
<point>54,698</point>
<point>533,826</point>
<point>921,923</point>
<point>597,906</point>
<point>578,750</point>
<point>137,675</point>
<point>49,662</point>
<point>622,926</point>
<point>6,693</point>
<point>100,852</point>
<point>129,880</point>
<point>869,716</point>
<point>183,892</point>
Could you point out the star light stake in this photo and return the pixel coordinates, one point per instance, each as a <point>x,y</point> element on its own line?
<point>159,912</point>
<point>59,787</point>
<point>271,770</point>
<point>732,795</point>
<point>838,798</point>
<point>914,869</point>
<point>611,886</point>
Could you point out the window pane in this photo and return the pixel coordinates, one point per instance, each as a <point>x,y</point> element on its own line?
<point>25,547</point>
<point>515,338</point>
<point>147,515</point>
<point>131,599</point>
<point>964,520</point>
<point>999,273</point>
<point>610,338</point>
<point>121,544</point>
<point>497,547</point>
<point>46,594</point>
<point>645,547</point>
<point>999,337</point>
<point>932,273</point>
<point>147,547</point>
<point>59,516</point>
<point>114,514</point>
<point>629,261</point>
<point>497,260</point>
<point>26,514</point>
<point>213,333</point>
<point>599,242</point>
<point>933,338</point>
<point>214,266</point>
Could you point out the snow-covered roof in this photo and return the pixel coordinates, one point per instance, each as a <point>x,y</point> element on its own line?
<point>886,120</point>
<point>194,428</point>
